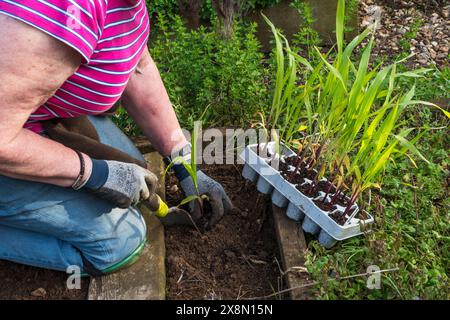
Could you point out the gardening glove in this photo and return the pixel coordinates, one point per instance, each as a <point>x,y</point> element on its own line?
<point>121,183</point>
<point>219,201</point>
<point>217,197</point>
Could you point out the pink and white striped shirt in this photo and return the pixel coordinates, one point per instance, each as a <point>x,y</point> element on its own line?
<point>109,34</point>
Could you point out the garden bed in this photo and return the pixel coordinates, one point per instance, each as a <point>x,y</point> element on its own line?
<point>238,258</point>
<point>20,282</point>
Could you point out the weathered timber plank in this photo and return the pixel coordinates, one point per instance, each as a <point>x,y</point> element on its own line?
<point>143,144</point>
<point>292,244</point>
<point>146,279</point>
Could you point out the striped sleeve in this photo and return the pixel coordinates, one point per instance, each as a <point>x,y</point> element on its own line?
<point>77,23</point>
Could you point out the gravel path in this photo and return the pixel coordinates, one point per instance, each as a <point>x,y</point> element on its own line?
<point>418,26</point>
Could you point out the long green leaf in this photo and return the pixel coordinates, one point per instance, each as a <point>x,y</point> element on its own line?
<point>340,16</point>
<point>410,147</point>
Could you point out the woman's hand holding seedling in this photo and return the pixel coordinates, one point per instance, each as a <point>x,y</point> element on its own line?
<point>217,197</point>
<point>196,185</point>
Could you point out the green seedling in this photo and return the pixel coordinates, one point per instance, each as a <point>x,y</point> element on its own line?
<point>191,168</point>
<point>348,114</point>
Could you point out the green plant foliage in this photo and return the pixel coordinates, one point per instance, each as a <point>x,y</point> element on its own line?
<point>220,82</point>
<point>307,35</point>
<point>353,114</point>
<point>207,78</point>
<point>355,103</point>
<point>166,7</point>
<point>433,86</point>
<point>125,122</point>
<point>411,233</point>
<point>405,41</point>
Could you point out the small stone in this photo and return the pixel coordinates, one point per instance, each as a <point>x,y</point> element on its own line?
<point>434,17</point>
<point>432,53</point>
<point>174,189</point>
<point>40,293</point>
<point>445,13</point>
<point>422,61</point>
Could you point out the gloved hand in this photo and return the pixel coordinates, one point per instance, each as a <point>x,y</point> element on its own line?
<point>218,199</point>
<point>123,184</point>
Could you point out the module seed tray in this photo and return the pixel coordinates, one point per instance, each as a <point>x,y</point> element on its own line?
<point>299,207</point>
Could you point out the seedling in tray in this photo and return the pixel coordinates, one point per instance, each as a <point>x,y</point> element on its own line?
<point>344,118</point>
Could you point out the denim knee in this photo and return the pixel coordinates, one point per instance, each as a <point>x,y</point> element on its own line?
<point>117,243</point>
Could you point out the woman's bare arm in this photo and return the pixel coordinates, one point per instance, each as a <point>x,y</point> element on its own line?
<point>33,65</point>
<point>146,100</point>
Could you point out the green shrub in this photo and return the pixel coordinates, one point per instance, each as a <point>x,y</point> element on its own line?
<point>167,7</point>
<point>207,77</point>
<point>307,36</point>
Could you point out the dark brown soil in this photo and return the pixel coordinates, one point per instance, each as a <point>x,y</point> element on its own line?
<point>326,187</point>
<point>292,160</point>
<point>342,201</point>
<point>338,217</point>
<point>294,179</point>
<point>310,174</point>
<point>324,206</point>
<point>235,259</point>
<point>20,282</point>
<point>289,176</point>
<point>302,171</point>
<point>308,191</point>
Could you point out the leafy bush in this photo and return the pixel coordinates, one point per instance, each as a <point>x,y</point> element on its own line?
<point>170,8</point>
<point>306,35</point>
<point>167,7</point>
<point>207,77</point>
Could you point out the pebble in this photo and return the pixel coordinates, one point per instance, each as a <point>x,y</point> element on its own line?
<point>432,53</point>
<point>445,13</point>
<point>39,292</point>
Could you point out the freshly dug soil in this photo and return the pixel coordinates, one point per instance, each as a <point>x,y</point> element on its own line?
<point>238,258</point>
<point>20,282</point>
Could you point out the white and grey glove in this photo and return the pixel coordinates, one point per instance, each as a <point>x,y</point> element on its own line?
<point>218,199</point>
<point>124,184</point>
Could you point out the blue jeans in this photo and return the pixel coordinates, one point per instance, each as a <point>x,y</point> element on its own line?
<point>52,227</point>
